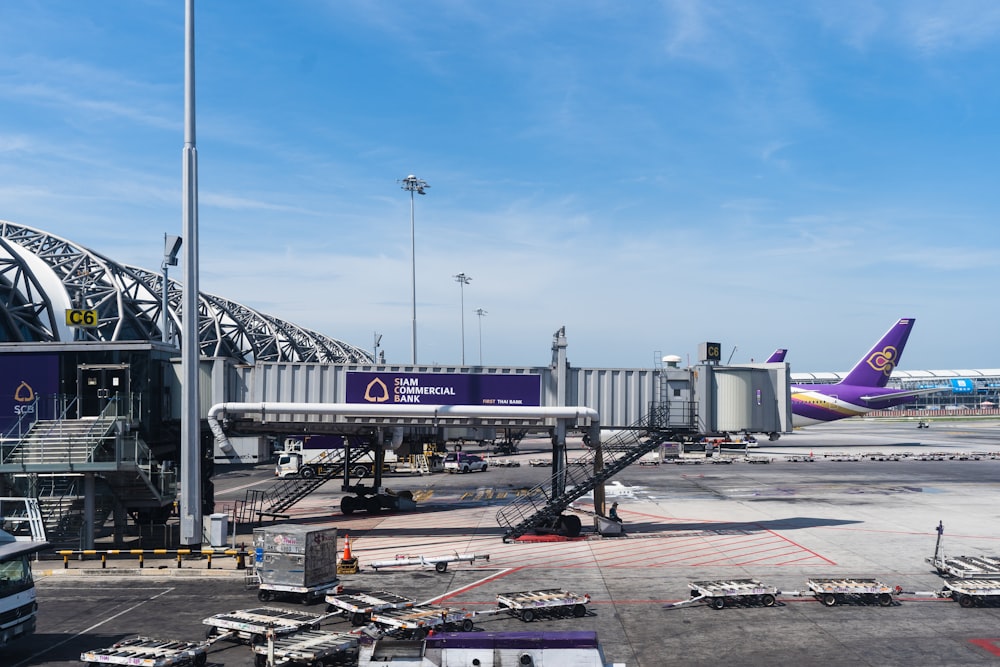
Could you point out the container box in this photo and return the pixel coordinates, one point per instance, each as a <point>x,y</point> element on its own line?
<point>295,555</point>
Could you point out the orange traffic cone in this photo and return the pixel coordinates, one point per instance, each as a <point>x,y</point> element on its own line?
<point>347,548</point>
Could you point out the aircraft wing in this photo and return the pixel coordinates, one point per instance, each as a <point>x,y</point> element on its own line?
<point>875,398</point>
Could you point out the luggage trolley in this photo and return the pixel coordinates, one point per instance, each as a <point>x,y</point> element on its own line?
<point>967,567</point>
<point>550,602</point>
<point>734,591</point>
<point>252,625</point>
<point>835,591</point>
<point>149,652</point>
<point>972,592</point>
<point>418,621</point>
<point>311,647</point>
<point>358,607</point>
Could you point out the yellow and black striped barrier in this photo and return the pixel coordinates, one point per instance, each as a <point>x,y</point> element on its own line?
<point>239,554</point>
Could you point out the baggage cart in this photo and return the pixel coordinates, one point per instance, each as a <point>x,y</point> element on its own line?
<point>836,591</point>
<point>251,625</point>
<point>439,563</point>
<point>550,602</point>
<point>149,652</point>
<point>972,592</point>
<point>967,567</point>
<point>303,594</point>
<point>310,647</point>
<point>298,561</point>
<point>416,622</point>
<point>358,607</point>
<point>730,592</point>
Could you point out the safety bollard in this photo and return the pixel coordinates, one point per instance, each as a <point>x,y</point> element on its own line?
<point>209,560</point>
<point>66,561</point>
<point>178,560</point>
<point>104,561</point>
<point>140,561</point>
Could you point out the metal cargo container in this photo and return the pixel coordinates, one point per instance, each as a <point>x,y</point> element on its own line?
<point>296,555</point>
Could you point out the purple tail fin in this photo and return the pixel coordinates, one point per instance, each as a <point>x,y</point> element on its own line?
<point>777,357</point>
<point>875,367</point>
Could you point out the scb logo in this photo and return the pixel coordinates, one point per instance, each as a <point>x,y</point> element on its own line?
<point>24,399</point>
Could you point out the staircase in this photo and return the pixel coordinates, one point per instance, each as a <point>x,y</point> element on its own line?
<point>539,509</point>
<point>65,442</point>
<point>285,493</point>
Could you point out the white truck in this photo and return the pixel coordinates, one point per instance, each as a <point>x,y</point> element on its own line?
<point>315,455</point>
<point>18,606</point>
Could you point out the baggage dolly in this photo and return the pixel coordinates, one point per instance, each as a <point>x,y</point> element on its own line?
<point>439,563</point>
<point>304,594</point>
<point>550,602</point>
<point>252,625</point>
<point>358,607</point>
<point>149,652</point>
<point>972,592</point>
<point>967,567</point>
<point>836,591</point>
<point>311,647</point>
<point>415,623</point>
<point>722,593</point>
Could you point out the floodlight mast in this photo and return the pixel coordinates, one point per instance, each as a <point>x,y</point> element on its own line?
<point>480,312</point>
<point>413,184</point>
<point>462,281</point>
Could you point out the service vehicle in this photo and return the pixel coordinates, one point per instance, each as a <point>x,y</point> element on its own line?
<point>321,455</point>
<point>18,604</point>
<point>462,462</point>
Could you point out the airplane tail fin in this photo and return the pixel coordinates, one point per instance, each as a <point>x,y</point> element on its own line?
<point>875,367</point>
<point>777,357</point>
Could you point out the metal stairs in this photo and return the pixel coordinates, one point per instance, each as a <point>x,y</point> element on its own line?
<point>539,509</point>
<point>64,441</point>
<point>285,493</point>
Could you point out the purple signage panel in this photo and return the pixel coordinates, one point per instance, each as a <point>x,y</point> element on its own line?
<point>443,389</point>
<point>28,383</point>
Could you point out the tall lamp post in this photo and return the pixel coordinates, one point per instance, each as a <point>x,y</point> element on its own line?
<point>462,281</point>
<point>480,312</point>
<point>171,246</point>
<point>413,184</point>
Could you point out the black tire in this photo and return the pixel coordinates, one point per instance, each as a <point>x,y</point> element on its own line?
<point>458,448</point>
<point>829,599</point>
<point>527,615</point>
<point>884,600</point>
<point>465,469</point>
<point>256,639</point>
<point>579,610</point>
<point>348,505</point>
<point>306,599</point>
<point>717,603</point>
<point>265,595</point>
<point>210,633</point>
<point>966,601</point>
<point>307,472</point>
<point>767,600</point>
<point>201,660</point>
<point>359,471</point>
<point>468,625</point>
<point>260,660</point>
<point>441,566</point>
<point>571,525</point>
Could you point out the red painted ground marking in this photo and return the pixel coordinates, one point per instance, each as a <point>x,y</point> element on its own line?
<point>990,645</point>
<point>459,591</point>
<point>802,547</point>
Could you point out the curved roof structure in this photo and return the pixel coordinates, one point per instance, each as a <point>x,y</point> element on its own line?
<point>42,275</point>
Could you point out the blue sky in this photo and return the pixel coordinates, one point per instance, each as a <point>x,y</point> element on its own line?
<point>649,175</point>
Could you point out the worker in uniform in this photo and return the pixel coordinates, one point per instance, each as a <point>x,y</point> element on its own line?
<point>613,512</point>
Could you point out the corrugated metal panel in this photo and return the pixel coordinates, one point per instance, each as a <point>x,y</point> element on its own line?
<point>622,396</point>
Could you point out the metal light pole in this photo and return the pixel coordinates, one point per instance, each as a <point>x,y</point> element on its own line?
<point>191,497</point>
<point>480,312</point>
<point>463,280</point>
<point>413,184</point>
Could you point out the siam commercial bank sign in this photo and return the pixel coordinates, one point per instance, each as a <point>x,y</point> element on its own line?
<point>28,384</point>
<point>443,389</point>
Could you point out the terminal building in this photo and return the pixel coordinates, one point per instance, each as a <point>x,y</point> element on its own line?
<point>91,347</point>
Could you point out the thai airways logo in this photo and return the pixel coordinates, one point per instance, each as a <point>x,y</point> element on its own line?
<point>376,391</point>
<point>884,360</point>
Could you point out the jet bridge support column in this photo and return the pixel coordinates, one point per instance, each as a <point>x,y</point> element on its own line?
<point>595,440</point>
<point>559,459</point>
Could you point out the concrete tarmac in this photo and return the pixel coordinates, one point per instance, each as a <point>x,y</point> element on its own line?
<point>851,511</point>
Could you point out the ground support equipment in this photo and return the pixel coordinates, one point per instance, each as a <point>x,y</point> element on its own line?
<point>149,652</point>
<point>358,607</point>
<point>546,603</point>
<point>730,592</point>
<point>311,647</point>
<point>967,567</point>
<point>252,625</point>
<point>972,592</point>
<point>836,591</point>
<point>439,563</point>
<point>304,594</point>
<point>415,623</point>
